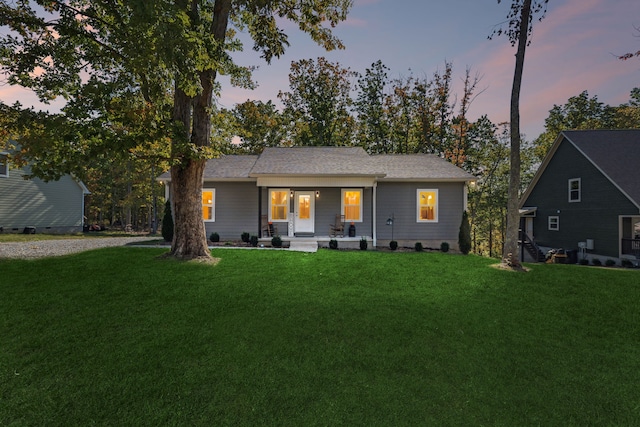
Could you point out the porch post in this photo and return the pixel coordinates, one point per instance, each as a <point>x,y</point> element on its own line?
<point>259,212</point>
<point>374,233</point>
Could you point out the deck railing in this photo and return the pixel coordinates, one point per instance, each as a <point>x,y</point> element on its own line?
<point>631,247</point>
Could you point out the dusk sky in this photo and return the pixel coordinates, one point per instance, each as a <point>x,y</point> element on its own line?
<point>573,49</point>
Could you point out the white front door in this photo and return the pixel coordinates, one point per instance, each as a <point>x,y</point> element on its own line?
<point>304,212</point>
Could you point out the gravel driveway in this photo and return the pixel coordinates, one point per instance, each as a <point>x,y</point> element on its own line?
<point>46,248</point>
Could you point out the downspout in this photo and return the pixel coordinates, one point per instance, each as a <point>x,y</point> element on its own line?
<point>374,233</point>
<point>259,212</point>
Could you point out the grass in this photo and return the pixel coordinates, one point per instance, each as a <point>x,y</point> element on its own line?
<point>19,237</point>
<point>118,337</point>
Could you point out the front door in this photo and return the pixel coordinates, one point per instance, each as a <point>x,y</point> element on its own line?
<point>304,212</point>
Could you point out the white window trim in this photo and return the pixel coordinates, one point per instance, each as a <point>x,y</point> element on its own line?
<point>344,190</point>
<point>4,160</point>
<point>550,223</point>
<point>213,204</point>
<point>437,205</point>
<point>287,204</point>
<point>579,180</point>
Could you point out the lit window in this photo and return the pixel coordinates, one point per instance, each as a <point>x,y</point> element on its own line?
<point>554,223</point>
<point>208,204</point>
<point>574,190</point>
<point>352,204</point>
<point>4,166</point>
<point>427,205</point>
<point>279,205</point>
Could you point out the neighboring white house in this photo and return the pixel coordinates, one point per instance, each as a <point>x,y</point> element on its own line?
<point>55,206</point>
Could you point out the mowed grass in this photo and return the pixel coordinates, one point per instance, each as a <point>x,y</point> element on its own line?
<point>275,338</point>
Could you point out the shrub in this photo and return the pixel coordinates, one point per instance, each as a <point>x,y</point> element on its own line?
<point>464,237</point>
<point>333,244</point>
<point>609,263</point>
<point>626,263</point>
<point>363,244</point>
<point>214,237</point>
<point>167,223</point>
<point>444,247</point>
<point>419,247</point>
<point>245,237</point>
<point>393,245</point>
<point>584,261</point>
<point>276,242</point>
<point>254,241</point>
<point>596,261</point>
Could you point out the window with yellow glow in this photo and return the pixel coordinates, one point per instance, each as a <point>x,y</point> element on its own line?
<point>427,205</point>
<point>352,204</point>
<point>279,205</point>
<point>208,212</point>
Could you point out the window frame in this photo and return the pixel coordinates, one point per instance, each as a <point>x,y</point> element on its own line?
<point>578,190</point>
<point>343,206</point>
<point>4,164</point>
<point>436,206</point>
<point>212,205</point>
<point>553,223</point>
<point>287,204</point>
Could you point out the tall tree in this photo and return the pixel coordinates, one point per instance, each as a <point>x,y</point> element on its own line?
<point>373,129</point>
<point>319,102</point>
<point>518,30</point>
<point>259,124</point>
<point>58,47</point>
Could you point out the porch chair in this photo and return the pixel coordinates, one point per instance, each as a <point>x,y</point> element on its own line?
<point>266,229</point>
<point>337,228</point>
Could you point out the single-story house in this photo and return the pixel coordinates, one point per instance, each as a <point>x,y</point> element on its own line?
<point>300,191</point>
<point>585,197</point>
<point>30,205</point>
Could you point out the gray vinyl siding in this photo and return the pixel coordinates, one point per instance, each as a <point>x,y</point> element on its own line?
<point>595,217</point>
<point>399,199</point>
<point>236,209</point>
<point>53,206</point>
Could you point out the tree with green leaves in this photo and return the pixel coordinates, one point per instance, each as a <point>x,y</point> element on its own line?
<point>258,124</point>
<point>519,27</point>
<point>373,125</point>
<point>318,103</point>
<point>96,53</point>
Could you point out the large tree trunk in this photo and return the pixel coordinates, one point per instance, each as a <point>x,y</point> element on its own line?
<point>194,115</point>
<point>510,253</point>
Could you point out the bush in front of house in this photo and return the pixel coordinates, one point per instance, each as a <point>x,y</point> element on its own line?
<point>276,242</point>
<point>214,237</point>
<point>584,261</point>
<point>333,244</point>
<point>393,245</point>
<point>464,236</point>
<point>167,223</point>
<point>626,263</point>
<point>419,247</point>
<point>245,237</point>
<point>253,240</point>
<point>363,244</point>
<point>596,261</point>
<point>444,247</point>
<point>609,263</point>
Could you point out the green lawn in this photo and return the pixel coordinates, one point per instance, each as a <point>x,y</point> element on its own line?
<point>119,337</point>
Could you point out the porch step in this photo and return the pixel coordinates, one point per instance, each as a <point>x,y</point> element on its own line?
<point>303,245</point>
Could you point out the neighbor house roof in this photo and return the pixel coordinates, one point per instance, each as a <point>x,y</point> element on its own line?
<point>331,161</point>
<point>615,153</point>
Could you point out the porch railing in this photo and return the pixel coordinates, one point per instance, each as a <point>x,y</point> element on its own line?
<point>631,247</point>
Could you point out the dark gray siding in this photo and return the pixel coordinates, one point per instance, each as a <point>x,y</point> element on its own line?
<point>594,217</point>
<point>55,205</point>
<point>399,199</point>
<point>236,208</point>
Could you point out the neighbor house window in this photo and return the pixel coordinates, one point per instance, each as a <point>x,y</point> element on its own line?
<point>554,223</point>
<point>427,205</point>
<point>208,204</point>
<point>352,204</point>
<point>574,190</point>
<point>279,205</point>
<point>4,166</point>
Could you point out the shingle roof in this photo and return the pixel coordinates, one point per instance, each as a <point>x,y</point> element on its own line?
<point>314,161</point>
<point>331,161</point>
<point>615,152</point>
<point>418,166</point>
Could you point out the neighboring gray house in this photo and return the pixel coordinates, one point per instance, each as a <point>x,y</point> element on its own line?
<point>56,206</point>
<point>585,197</point>
<point>300,190</point>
